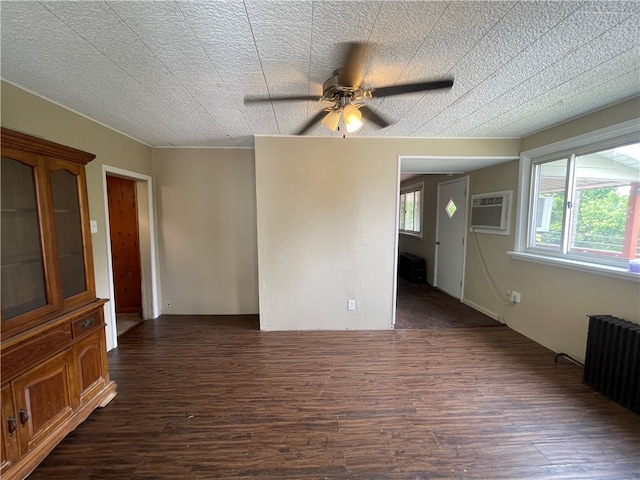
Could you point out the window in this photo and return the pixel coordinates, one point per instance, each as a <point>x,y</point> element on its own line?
<point>584,203</point>
<point>411,209</point>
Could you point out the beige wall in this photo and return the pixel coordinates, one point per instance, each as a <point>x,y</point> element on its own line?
<point>28,113</point>
<point>327,226</point>
<point>206,210</point>
<point>555,301</point>
<point>621,112</point>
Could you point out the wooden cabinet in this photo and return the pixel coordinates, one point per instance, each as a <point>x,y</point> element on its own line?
<point>42,400</point>
<point>53,357</point>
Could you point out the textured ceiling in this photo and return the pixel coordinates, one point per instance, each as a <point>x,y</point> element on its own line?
<point>176,73</point>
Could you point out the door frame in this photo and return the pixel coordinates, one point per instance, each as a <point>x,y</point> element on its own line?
<point>464,232</point>
<point>149,281</point>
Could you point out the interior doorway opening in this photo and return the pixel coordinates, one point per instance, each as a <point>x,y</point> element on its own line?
<point>145,254</point>
<point>126,263</point>
<point>435,173</point>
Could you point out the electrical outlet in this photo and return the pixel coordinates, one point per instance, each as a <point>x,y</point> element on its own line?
<point>515,296</point>
<point>351,305</point>
<point>168,303</point>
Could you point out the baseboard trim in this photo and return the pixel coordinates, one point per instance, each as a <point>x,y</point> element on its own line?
<point>477,307</point>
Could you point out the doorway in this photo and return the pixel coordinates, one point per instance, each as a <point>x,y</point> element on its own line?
<point>132,205</point>
<point>125,252</point>
<point>451,221</point>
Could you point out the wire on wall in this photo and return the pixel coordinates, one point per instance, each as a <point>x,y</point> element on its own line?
<point>492,283</point>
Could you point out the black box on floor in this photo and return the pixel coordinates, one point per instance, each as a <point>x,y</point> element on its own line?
<point>412,267</point>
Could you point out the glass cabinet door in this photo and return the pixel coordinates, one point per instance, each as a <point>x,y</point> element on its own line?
<point>46,263</point>
<point>24,281</point>
<point>68,221</point>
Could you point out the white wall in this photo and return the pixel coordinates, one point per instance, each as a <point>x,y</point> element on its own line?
<point>206,209</point>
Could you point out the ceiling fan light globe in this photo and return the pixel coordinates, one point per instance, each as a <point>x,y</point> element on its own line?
<point>352,118</point>
<point>331,120</point>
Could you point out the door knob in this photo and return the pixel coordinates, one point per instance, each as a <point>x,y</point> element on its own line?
<point>24,416</point>
<point>12,425</point>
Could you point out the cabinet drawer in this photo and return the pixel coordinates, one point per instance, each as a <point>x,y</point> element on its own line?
<point>24,355</point>
<point>87,324</point>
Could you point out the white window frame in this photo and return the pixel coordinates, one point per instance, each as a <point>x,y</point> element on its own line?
<point>414,187</point>
<point>608,137</point>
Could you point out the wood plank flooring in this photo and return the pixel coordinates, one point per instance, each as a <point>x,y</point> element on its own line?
<point>419,305</point>
<point>213,397</point>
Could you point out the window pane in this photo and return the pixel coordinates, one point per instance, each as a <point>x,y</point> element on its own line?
<point>409,210</point>
<point>410,207</point>
<point>416,209</point>
<point>605,211</point>
<point>549,207</point>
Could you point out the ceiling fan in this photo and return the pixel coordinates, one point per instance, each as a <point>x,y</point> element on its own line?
<point>346,91</point>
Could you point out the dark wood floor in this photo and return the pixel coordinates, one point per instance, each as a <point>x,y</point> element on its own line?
<point>213,397</point>
<point>419,305</point>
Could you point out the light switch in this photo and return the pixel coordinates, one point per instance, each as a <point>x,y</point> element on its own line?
<point>94,226</point>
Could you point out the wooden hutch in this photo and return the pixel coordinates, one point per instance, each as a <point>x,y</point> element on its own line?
<point>54,370</point>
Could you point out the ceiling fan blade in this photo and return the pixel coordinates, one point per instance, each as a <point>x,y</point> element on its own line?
<point>285,98</point>
<point>312,122</point>
<point>411,87</point>
<point>353,65</point>
<point>374,117</point>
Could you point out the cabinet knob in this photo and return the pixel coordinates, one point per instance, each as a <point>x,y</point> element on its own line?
<point>88,323</point>
<point>12,425</point>
<point>24,416</point>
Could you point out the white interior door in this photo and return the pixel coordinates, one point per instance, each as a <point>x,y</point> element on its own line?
<point>451,236</point>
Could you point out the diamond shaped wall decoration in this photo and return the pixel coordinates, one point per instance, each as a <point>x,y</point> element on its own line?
<point>450,208</point>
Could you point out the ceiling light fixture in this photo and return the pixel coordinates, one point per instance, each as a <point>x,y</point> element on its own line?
<point>351,114</point>
<point>352,118</point>
<point>331,120</point>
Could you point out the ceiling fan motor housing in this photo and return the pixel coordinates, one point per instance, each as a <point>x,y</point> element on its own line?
<point>343,95</point>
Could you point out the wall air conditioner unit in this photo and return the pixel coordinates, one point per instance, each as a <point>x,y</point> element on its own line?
<point>491,212</point>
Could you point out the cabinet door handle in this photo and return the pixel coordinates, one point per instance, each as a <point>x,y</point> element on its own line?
<point>24,416</point>
<point>12,425</point>
<point>88,323</point>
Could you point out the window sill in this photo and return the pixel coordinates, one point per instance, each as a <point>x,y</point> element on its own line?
<point>411,234</point>
<point>605,270</point>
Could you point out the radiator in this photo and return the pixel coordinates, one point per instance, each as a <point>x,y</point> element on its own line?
<point>612,361</point>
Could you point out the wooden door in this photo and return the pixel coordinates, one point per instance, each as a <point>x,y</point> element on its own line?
<point>125,244</point>
<point>90,365</point>
<point>43,400</point>
<point>9,431</point>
